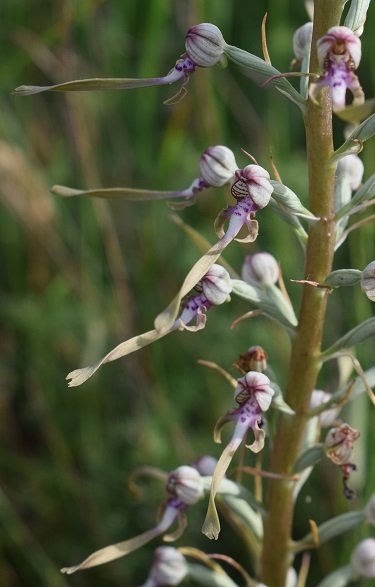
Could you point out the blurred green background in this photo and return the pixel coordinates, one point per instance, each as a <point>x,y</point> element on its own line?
<point>79,276</point>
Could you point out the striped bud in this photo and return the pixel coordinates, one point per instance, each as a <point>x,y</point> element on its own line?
<point>205,44</point>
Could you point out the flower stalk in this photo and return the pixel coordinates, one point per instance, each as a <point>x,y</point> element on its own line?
<point>305,363</point>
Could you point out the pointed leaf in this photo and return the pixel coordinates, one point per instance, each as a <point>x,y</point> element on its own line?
<point>365,193</point>
<point>356,16</point>
<point>203,576</point>
<point>353,337</point>
<point>343,277</point>
<point>265,71</point>
<point>353,144</point>
<point>339,578</point>
<point>309,458</point>
<point>290,201</point>
<point>289,219</point>
<point>335,527</point>
<point>357,389</point>
<point>271,302</point>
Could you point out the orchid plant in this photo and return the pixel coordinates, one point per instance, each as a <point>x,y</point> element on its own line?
<point>328,53</point>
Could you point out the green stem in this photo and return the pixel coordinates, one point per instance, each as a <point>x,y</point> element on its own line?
<point>305,364</point>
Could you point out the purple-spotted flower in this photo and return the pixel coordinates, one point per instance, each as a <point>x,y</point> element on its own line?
<point>213,289</point>
<point>339,54</point>
<point>204,45</point>
<point>252,189</point>
<point>253,395</point>
<point>217,167</point>
<point>184,487</point>
<point>169,567</point>
<point>339,449</point>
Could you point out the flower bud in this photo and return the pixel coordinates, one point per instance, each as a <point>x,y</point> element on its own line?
<point>257,385</point>
<point>169,566</point>
<point>302,40</point>
<point>351,168</point>
<point>291,578</point>
<point>261,270</point>
<point>339,443</point>
<point>205,465</point>
<point>328,417</point>
<point>217,166</point>
<point>216,284</point>
<point>363,558</point>
<point>368,281</point>
<point>186,484</point>
<point>205,44</point>
<point>253,181</point>
<point>255,359</point>
<point>370,510</point>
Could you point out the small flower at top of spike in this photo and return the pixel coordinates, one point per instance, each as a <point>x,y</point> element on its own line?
<point>363,559</point>
<point>255,359</point>
<point>339,54</point>
<point>205,44</point>
<point>368,281</point>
